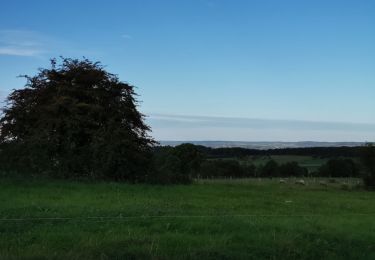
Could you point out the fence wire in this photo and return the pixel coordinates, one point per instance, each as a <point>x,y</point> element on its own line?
<point>125,218</point>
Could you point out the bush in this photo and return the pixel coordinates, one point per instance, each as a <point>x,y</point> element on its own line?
<point>226,168</point>
<point>368,161</point>
<point>168,171</point>
<point>339,168</point>
<point>176,164</point>
<point>190,157</point>
<point>292,169</point>
<point>269,170</point>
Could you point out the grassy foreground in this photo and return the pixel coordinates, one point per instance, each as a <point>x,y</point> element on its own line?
<point>206,220</point>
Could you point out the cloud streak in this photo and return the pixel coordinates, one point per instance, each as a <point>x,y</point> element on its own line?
<point>22,43</point>
<point>176,127</point>
<point>19,51</point>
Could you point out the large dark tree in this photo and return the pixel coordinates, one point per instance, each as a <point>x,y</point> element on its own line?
<point>76,119</point>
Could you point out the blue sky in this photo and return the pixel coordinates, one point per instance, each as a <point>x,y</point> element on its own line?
<point>306,69</point>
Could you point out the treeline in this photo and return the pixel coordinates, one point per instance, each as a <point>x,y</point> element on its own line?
<point>323,152</point>
<point>221,168</point>
<point>229,168</point>
<point>187,161</point>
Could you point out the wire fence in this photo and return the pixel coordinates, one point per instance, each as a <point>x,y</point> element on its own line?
<point>125,218</point>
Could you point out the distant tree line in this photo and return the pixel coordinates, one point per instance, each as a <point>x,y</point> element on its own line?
<point>195,164</point>
<point>323,152</point>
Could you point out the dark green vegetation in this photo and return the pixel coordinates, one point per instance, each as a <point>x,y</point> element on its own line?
<point>75,120</point>
<point>322,152</point>
<point>368,161</point>
<point>238,219</point>
<point>176,164</point>
<point>191,161</point>
<point>311,163</point>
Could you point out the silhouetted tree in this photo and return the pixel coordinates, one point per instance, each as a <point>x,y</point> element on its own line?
<point>76,119</point>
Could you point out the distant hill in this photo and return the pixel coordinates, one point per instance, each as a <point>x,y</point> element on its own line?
<point>263,145</point>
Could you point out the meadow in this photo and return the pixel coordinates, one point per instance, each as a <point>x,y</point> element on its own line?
<point>210,219</point>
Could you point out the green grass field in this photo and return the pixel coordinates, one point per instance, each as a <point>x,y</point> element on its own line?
<point>259,219</point>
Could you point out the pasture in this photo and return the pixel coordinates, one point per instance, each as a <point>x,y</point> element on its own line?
<point>210,219</point>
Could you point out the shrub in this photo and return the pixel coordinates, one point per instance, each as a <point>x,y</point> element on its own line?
<point>269,170</point>
<point>368,161</point>
<point>226,168</point>
<point>167,170</point>
<point>339,168</point>
<point>292,169</point>
<point>176,164</point>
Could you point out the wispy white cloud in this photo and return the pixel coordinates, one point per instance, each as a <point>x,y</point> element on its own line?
<point>22,43</point>
<point>19,51</point>
<point>28,43</point>
<point>179,127</point>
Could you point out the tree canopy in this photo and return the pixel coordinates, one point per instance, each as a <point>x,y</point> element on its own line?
<point>76,119</point>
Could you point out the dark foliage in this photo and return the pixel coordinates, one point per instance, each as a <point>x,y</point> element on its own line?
<point>269,170</point>
<point>190,157</point>
<point>368,161</point>
<point>324,152</point>
<point>290,169</point>
<point>216,167</point>
<point>176,164</point>
<point>339,168</point>
<point>225,169</point>
<point>75,120</point>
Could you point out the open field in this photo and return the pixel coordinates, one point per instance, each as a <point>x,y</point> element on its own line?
<point>207,220</point>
